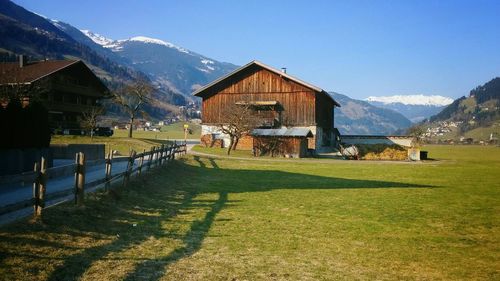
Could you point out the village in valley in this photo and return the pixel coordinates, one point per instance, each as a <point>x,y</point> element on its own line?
<point>139,159</point>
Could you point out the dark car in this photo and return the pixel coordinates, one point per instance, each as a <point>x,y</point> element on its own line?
<point>103,131</point>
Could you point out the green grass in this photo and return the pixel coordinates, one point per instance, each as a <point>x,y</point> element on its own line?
<point>483,133</point>
<point>478,134</point>
<point>222,151</point>
<point>172,131</point>
<point>227,219</point>
<point>140,139</point>
<point>121,144</point>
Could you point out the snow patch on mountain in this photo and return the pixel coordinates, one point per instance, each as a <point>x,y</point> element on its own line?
<point>433,100</point>
<point>98,38</point>
<point>204,70</point>
<point>206,61</point>
<point>40,15</point>
<point>149,40</point>
<point>58,24</point>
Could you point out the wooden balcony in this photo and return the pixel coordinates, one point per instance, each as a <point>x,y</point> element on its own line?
<point>68,107</point>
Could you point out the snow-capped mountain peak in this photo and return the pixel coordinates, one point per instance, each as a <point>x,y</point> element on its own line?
<point>145,39</point>
<point>433,100</point>
<point>98,38</point>
<point>115,45</point>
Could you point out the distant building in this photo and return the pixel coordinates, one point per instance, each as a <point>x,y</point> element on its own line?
<point>67,88</point>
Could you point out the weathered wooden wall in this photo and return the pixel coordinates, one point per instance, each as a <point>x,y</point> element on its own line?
<point>257,84</point>
<point>324,111</point>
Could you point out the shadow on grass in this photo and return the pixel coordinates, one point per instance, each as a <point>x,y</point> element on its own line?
<point>166,194</point>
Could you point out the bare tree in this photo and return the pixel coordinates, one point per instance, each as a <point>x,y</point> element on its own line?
<point>132,98</point>
<point>238,120</point>
<point>417,132</point>
<point>90,119</point>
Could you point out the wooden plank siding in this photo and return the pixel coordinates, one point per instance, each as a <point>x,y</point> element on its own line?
<point>324,111</point>
<point>257,84</point>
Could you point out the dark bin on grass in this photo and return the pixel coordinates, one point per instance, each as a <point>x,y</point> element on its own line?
<point>423,155</point>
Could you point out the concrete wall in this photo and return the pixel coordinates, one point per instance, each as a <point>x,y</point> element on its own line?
<point>68,151</point>
<point>15,161</point>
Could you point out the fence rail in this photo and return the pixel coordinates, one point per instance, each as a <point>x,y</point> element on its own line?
<point>136,164</point>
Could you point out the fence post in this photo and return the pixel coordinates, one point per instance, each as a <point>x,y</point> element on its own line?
<point>157,151</point>
<point>42,188</point>
<point>36,189</point>
<point>153,156</point>
<point>150,158</point>
<point>165,147</point>
<point>109,166</point>
<point>175,149</point>
<point>139,172</point>
<point>159,156</point>
<point>162,148</point>
<point>79,178</point>
<point>130,165</point>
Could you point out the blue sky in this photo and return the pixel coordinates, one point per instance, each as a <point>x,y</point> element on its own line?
<point>358,48</point>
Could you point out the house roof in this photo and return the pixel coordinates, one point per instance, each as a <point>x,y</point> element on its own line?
<point>201,90</point>
<point>283,132</point>
<point>11,72</point>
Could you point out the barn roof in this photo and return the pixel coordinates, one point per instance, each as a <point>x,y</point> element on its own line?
<point>203,89</point>
<point>283,132</point>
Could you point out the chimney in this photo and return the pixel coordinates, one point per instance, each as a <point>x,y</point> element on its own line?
<point>283,69</point>
<point>22,61</point>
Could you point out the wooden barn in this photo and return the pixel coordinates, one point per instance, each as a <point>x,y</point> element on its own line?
<point>281,102</point>
<point>67,88</point>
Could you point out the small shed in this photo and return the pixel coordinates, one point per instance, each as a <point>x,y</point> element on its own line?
<point>291,142</point>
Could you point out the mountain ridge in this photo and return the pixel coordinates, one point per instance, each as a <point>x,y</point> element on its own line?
<point>414,107</point>
<point>430,100</point>
<point>24,32</point>
<point>167,64</point>
<point>475,115</point>
<point>358,117</point>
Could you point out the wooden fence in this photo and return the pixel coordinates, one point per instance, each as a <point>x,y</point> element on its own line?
<point>136,164</point>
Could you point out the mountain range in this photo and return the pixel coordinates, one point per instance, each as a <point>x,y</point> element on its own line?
<point>166,64</point>
<point>174,70</point>
<point>356,117</point>
<point>414,107</point>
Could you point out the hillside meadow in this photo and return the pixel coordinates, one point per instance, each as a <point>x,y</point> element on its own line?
<point>204,218</point>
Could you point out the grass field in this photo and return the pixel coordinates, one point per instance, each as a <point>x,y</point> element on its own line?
<point>478,134</point>
<point>172,131</point>
<point>141,139</point>
<point>228,219</point>
<point>121,144</point>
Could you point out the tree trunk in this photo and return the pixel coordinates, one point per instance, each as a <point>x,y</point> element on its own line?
<point>231,141</point>
<point>236,143</point>
<point>130,127</point>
